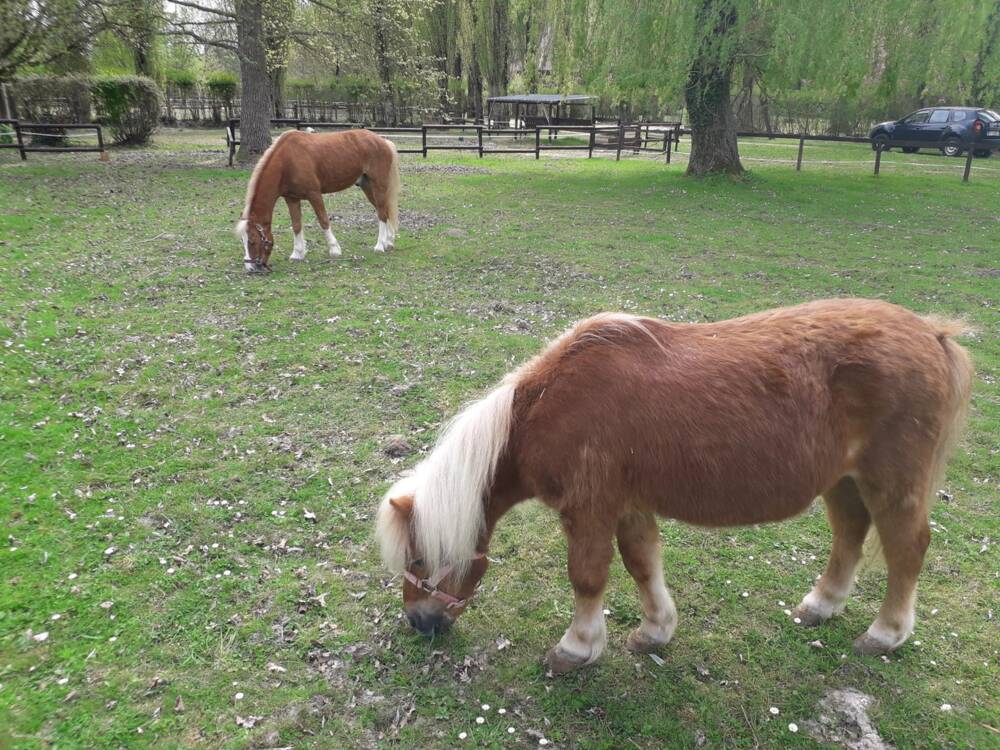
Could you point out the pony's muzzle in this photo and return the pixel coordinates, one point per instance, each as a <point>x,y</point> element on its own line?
<point>429,623</point>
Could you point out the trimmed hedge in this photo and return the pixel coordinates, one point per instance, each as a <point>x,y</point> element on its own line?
<point>129,106</point>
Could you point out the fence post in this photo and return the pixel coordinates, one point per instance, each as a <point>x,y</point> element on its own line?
<point>538,141</point>
<point>798,162</point>
<point>479,134</point>
<point>677,139</point>
<point>232,140</point>
<point>590,143</point>
<point>668,138</point>
<point>621,137</point>
<point>968,164</point>
<point>423,139</point>
<point>878,157</point>
<point>20,140</point>
<point>100,144</point>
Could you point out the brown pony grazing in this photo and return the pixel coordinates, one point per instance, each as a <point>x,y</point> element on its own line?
<point>744,421</point>
<point>301,166</point>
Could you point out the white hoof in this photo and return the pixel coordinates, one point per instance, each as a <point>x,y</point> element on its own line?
<point>296,256</point>
<point>335,251</point>
<point>379,248</point>
<point>249,267</point>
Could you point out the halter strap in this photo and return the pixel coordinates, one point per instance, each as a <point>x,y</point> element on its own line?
<point>430,585</point>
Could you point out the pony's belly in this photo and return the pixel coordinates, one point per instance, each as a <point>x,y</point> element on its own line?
<point>735,508</point>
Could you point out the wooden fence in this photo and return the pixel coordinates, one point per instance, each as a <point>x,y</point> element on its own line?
<point>620,137</point>
<point>54,130</point>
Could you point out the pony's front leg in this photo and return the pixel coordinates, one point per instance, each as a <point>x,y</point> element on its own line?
<point>298,237</point>
<point>590,553</point>
<point>316,201</point>
<point>639,544</point>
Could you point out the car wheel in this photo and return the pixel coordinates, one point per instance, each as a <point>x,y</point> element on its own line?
<point>910,149</point>
<point>952,147</point>
<point>880,140</point>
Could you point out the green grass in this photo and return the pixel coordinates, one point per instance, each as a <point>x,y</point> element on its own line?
<point>158,401</point>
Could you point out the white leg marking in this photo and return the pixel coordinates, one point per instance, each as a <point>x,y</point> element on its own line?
<point>889,636</point>
<point>380,245</point>
<point>825,603</point>
<point>390,236</point>
<point>298,246</point>
<point>587,634</point>
<point>658,608</point>
<point>331,241</point>
<point>247,263</point>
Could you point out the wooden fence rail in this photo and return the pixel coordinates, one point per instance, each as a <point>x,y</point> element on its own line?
<point>38,129</point>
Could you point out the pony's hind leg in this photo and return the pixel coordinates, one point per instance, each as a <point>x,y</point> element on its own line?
<point>376,194</point>
<point>298,237</point>
<point>904,533</point>
<point>316,200</point>
<point>849,520</point>
<point>590,554</point>
<point>639,544</point>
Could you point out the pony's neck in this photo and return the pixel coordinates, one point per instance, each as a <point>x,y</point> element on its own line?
<point>505,493</point>
<point>265,196</point>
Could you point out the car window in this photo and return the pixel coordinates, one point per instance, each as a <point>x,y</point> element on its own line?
<point>917,117</point>
<point>990,115</point>
<point>940,115</point>
<point>959,115</point>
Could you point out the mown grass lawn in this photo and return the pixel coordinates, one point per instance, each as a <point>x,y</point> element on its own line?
<point>190,457</point>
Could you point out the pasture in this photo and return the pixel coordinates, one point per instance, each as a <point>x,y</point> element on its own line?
<point>191,456</point>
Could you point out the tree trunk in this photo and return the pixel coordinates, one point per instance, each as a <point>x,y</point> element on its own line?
<point>255,89</point>
<point>475,87</point>
<point>278,91</point>
<point>707,93</point>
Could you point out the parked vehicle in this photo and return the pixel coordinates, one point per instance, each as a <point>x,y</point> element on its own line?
<point>950,129</point>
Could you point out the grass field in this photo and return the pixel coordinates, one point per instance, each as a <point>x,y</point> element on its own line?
<point>190,457</point>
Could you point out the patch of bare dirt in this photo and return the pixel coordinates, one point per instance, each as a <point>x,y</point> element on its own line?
<point>843,720</point>
<point>419,166</point>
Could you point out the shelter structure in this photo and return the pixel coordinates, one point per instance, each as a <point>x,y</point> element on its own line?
<point>529,110</point>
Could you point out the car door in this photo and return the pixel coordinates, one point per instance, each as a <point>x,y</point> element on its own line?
<point>937,126</point>
<point>910,128</point>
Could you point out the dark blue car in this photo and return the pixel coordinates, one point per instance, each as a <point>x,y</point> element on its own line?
<point>950,129</point>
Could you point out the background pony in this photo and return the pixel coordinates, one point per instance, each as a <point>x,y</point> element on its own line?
<point>743,421</point>
<point>301,166</point>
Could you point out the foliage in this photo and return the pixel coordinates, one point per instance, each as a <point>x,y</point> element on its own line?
<point>6,133</point>
<point>51,98</point>
<point>37,33</point>
<point>182,78</point>
<point>222,85</point>
<point>163,407</point>
<point>129,105</point>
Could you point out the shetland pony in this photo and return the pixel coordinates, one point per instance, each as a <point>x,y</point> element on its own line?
<point>301,166</point>
<point>744,421</point>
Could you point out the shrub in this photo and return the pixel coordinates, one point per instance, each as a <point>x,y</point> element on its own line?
<point>49,98</point>
<point>129,106</point>
<point>182,79</point>
<point>222,85</point>
<point>6,134</point>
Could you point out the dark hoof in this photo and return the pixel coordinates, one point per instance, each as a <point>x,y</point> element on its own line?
<point>807,617</point>
<point>559,662</point>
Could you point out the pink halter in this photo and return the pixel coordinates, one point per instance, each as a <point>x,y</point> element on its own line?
<point>430,585</point>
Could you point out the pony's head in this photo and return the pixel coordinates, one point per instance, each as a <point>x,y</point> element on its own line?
<point>433,596</point>
<point>258,242</point>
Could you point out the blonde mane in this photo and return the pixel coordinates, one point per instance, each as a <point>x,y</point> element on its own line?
<point>241,225</point>
<point>448,488</point>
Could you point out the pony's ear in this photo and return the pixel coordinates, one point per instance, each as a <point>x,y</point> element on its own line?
<point>392,529</point>
<point>403,505</point>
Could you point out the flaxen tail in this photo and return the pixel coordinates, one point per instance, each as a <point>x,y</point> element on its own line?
<point>960,393</point>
